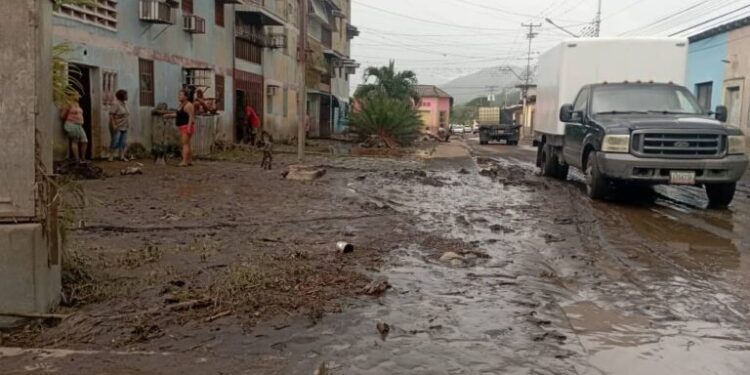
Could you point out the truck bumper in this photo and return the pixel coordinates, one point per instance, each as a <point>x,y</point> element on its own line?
<point>657,171</point>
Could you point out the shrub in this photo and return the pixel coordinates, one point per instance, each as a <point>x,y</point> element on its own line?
<point>388,118</point>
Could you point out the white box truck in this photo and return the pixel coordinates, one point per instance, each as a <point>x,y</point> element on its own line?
<point>616,108</point>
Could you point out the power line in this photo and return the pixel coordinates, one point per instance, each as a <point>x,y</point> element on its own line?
<point>505,11</point>
<point>696,14</point>
<point>424,20</point>
<point>710,20</point>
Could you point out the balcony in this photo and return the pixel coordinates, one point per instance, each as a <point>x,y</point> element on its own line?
<point>257,14</point>
<point>251,34</point>
<point>155,11</point>
<point>194,24</point>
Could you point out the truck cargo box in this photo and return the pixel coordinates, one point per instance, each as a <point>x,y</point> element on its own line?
<point>574,63</point>
<point>489,116</point>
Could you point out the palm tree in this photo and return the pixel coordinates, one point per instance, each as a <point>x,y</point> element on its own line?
<point>385,80</point>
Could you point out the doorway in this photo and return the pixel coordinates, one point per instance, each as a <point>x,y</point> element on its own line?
<point>239,122</point>
<point>325,117</point>
<point>83,75</point>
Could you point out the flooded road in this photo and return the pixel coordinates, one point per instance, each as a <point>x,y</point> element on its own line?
<point>494,270</point>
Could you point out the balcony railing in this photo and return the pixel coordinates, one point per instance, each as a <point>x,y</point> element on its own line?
<point>194,24</point>
<point>155,11</point>
<point>251,34</point>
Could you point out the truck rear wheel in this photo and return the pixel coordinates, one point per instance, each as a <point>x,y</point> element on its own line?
<point>720,195</point>
<point>550,164</point>
<point>597,185</point>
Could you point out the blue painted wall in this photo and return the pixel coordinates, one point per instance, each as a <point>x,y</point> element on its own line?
<point>705,65</point>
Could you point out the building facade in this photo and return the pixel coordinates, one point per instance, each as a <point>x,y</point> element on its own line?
<point>719,70</point>
<point>434,107</point>
<point>237,52</point>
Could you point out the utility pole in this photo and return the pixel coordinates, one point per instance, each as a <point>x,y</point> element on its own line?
<point>598,21</point>
<point>531,35</point>
<point>302,91</point>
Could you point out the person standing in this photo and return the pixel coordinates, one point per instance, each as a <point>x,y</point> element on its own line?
<point>253,123</point>
<point>72,117</point>
<point>119,122</point>
<point>185,121</point>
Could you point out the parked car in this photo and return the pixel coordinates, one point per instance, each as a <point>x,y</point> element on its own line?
<point>631,121</point>
<point>457,129</point>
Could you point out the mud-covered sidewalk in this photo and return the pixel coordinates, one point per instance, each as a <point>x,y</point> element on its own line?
<point>226,269</point>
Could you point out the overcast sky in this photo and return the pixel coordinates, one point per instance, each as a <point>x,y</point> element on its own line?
<point>444,39</point>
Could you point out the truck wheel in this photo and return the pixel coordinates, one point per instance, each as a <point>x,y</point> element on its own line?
<point>548,161</point>
<point>720,195</point>
<point>562,171</point>
<point>597,185</point>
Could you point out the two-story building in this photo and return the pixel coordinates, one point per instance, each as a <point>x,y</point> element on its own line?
<point>719,70</point>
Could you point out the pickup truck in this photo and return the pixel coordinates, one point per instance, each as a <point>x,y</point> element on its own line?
<point>645,133</point>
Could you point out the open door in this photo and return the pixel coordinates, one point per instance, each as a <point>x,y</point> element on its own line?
<point>239,117</point>
<point>83,75</point>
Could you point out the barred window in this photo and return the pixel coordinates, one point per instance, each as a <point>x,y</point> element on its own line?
<point>109,87</point>
<point>103,14</point>
<point>187,6</point>
<point>146,73</point>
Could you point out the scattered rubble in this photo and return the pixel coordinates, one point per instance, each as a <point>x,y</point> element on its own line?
<point>377,287</point>
<point>130,171</point>
<point>450,256</point>
<point>79,170</point>
<point>303,173</point>
<point>383,329</point>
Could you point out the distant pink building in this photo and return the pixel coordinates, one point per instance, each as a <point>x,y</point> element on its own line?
<point>434,107</point>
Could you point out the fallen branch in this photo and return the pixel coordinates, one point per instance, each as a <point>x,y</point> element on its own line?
<point>35,315</point>
<point>187,305</point>
<point>218,316</point>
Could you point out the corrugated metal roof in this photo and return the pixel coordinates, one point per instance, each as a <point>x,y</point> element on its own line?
<point>430,91</point>
<point>725,28</point>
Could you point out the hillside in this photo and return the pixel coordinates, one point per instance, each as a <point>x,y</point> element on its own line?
<point>466,88</point>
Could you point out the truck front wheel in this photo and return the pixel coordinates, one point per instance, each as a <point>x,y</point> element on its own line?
<point>597,185</point>
<point>720,195</point>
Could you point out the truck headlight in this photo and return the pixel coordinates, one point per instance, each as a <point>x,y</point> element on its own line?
<point>737,144</point>
<point>616,143</point>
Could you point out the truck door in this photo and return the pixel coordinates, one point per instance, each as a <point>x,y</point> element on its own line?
<point>575,130</point>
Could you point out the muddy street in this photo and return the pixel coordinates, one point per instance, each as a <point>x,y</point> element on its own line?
<point>493,270</point>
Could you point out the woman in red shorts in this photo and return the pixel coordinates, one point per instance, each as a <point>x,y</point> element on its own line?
<point>185,121</point>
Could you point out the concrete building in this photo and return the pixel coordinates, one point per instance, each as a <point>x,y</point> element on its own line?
<point>719,70</point>
<point>237,51</point>
<point>150,48</point>
<point>330,66</point>
<point>434,107</point>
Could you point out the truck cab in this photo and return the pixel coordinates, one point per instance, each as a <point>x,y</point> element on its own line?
<point>648,134</point>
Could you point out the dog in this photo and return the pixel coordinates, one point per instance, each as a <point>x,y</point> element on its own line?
<point>267,147</point>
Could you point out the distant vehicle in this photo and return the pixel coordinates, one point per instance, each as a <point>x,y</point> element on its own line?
<point>491,127</point>
<point>631,120</point>
<point>457,129</point>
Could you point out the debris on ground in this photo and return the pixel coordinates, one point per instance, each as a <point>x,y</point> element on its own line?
<point>79,170</point>
<point>383,329</point>
<point>464,171</point>
<point>450,256</point>
<point>377,287</point>
<point>303,173</point>
<point>344,247</point>
<point>498,228</point>
<point>130,171</point>
<point>549,238</point>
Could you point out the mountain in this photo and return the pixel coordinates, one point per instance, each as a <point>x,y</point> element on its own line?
<point>466,88</point>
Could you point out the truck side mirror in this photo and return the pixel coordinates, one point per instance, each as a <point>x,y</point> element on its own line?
<point>566,113</point>
<point>721,113</point>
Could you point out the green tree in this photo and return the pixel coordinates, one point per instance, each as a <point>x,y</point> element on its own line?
<point>387,81</point>
<point>387,118</point>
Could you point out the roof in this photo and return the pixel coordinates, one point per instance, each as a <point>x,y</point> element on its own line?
<point>725,28</point>
<point>429,91</point>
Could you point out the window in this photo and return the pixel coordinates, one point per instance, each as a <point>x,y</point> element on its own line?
<point>248,51</point>
<point>109,87</point>
<point>733,102</point>
<point>219,9</point>
<point>269,103</point>
<point>146,74</point>
<point>200,78</point>
<point>187,6</point>
<point>580,104</point>
<point>286,102</point>
<point>103,14</point>
<point>220,92</point>
<point>704,92</point>
<point>443,118</point>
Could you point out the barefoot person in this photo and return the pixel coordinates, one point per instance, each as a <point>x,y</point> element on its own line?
<point>72,117</point>
<point>185,121</point>
<point>119,122</point>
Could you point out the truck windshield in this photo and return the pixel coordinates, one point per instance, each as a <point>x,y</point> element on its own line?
<point>644,99</point>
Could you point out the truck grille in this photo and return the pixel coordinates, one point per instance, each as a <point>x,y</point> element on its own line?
<point>679,144</point>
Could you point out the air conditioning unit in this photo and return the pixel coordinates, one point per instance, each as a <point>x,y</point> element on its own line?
<point>276,40</point>
<point>194,24</point>
<point>271,90</point>
<point>156,11</point>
